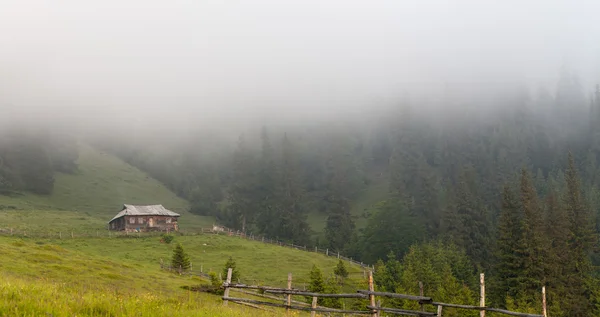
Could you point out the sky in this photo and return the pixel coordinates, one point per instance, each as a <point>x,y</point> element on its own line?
<point>206,62</point>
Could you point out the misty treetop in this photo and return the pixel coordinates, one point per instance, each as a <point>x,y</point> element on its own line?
<point>29,157</point>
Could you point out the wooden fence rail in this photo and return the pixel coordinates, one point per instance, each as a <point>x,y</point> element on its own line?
<point>371,309</point>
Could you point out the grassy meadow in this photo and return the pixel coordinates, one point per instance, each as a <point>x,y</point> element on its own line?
<point>122,276</point>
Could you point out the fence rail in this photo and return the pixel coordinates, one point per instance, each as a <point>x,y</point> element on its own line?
<point>371,309</point>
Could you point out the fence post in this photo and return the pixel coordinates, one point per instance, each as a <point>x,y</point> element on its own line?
<point>371,296</point>
<point>60,235</point>
<point>482,295</point>
<point>72,236</point>
<point>439,312</point>
<point>289,296</point>
<point>327,252</point>
<point>338,254</point>
<point>11,233</point>
<point>421,293</point>
<point>313,306</point>
<point>544,310</point>
<point>226,293</point>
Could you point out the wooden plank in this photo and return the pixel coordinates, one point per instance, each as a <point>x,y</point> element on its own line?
<point>289,287</point>
<point>314,305</point>
<point>482,294</point>
<point>424,299</point>
<point>497,310</point>
<point>226,294</point>
<point>402,311</point>
<point>318,309</point>
<point>374,312</point>
<point>302,293</point>
<point>544,310</point>
<point>268,296</point>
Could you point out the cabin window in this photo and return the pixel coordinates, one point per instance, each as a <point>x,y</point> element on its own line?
<point>132,220</point>
<point>141,220</point>
<point>168,220</point>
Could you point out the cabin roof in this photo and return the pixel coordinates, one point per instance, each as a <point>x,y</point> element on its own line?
<point>149,210</point>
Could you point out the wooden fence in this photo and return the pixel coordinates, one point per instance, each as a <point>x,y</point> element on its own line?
<point>373,309</point>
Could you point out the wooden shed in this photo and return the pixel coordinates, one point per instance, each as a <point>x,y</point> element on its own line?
<point>144,218</point>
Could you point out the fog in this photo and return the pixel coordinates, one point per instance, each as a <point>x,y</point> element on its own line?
<point>229,63</point>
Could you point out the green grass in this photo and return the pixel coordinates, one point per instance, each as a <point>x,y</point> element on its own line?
<point>93,196</point>
<point>44,279</point>
<point>122,276</point>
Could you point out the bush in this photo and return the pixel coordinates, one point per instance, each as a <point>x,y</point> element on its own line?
<point>167,238</point>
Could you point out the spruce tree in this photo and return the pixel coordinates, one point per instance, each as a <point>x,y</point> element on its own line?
<point>180,260</point>
<point>535,240</point>
<point>340,271</point>
<point>292,212</point>
<point>268,219</point>
<point>581,243</point>
<point>243,190</point>
<point>510,249</point>
<point>235,273</point>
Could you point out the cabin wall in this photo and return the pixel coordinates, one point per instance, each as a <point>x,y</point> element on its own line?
<point>145,223</point>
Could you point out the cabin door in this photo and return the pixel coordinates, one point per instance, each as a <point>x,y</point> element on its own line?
<point>151,222</point>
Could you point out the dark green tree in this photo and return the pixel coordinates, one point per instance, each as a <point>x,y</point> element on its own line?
<point>340,271</point>
<point>180,260</point>
<point>510,249</point>
<point>292,213</point>
<point>235,273</point>
<point>581,242</point>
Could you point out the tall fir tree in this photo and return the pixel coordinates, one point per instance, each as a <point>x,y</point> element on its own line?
<point>292,212</point>
<point>535,240</point>
<point>243,190</point>
<point>581,242</point>
<point>268,218</point>
<point>510,249</point>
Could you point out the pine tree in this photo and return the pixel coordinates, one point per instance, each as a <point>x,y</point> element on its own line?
<point>316,284</point>
<point>235,273</point>
<point>535,240</point>
<point>268,222</point>
<point>339,225</point>
<point>558,231</point>
<point>243,190</point>
<point>467,223</point>
<point>291,207</point>
<point>510,249</point>
<point>581,242</point>
<point>340,271</point>
<point>180,260</point>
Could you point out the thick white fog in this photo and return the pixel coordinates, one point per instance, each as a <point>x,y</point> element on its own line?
<point>227,62</point>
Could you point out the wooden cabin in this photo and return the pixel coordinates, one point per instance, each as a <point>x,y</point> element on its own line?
<point>144,218</point>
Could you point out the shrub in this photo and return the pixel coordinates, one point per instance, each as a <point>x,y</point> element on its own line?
<point>167,238</point>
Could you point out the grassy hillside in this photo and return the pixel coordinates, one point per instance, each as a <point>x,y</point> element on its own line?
<point>93,196</point>
<point>122,276</point>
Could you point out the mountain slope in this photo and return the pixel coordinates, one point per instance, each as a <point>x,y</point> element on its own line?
<point>93,195</point>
